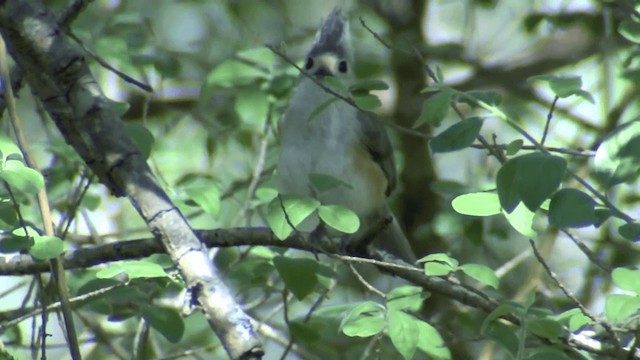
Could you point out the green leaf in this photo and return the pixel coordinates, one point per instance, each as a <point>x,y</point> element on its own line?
<point>562,86</point>
<point>337,86</point>
<point>472,97</point>
<point>617,159</point>
<point>403,332</point>
<point>299,275</point>
<point>297,210</point>
<point>538,175</point>
<point>572,208</point>
<point>367,102</point>
<point>435,108</point>
<point>260,55</point>
<point>7,147</point>
<point>627,279</point>
<point>46,247</point>
<point>164,320</point>
<point>231,73</point>
<point>547,328</point>
<point>252,106</point>
<point>324,182</point>
<point>320,108</point>
<point>8,217</point>
<point>630,231</point>
<point>458,136</point>
<point>477,204</point>
<point>406,298</point>
<point>547,353</point>
<point>481,273</point>
<point>630,29</point>
<point>566,86</point>
<point>134,269</point>
<point>21,178</point>
<point>619,307</point>
<point>507,186</point>
<point>301,331</point>
<point>438,264</point>
<point>205,193</point>
<point>363,87</point>
<point>11,244</point>
<point>521,219</point>
<point>430,342</point>
<point>364,320</point>
<point>514,146</point>
<point>504,335</point>
<point>575,318</point>
<point>340,218</point>
<point>142,138</point>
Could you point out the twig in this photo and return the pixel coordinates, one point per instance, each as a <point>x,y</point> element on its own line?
<point>569,294</point>
<point>106,65</point>
<point>72,12</point>
<point>549,117</point>
<point>285,301</point>
<point>365,283</point>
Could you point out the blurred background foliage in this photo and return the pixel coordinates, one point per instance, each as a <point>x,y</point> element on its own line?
<point>218,94</point>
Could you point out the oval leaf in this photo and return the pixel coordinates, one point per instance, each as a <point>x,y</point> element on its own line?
<point>21,178</point>
<point>435,108</point>
<point>299,275</point>
<point>481,273</point>
<point>339,218</point>
<point>403,332</point>
<point>507,186</point>
<point>166,321</point>
<point>538,176</point>
<point>297,210</point>
<point>627,279</point>
<point>364,320</point>
<point>572,208</point>
<point>458,136</point>
<point>477,204</point>
<point>46,247</point>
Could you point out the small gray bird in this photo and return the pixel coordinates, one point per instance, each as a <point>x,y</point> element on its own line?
<point>340,141</point>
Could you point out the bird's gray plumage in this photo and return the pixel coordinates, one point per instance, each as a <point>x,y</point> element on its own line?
<point>340,141</point>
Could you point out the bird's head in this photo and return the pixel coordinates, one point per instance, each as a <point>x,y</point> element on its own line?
<point>330,53</point>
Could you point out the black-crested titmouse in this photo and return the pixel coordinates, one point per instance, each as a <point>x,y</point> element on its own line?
<point>340,141</point>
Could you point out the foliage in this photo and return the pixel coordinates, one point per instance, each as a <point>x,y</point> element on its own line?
<point>543,147</point>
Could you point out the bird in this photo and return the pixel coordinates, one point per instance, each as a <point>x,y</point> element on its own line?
<point>322,136</point>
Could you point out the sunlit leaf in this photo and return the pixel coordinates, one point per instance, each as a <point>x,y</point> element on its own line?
<point>340,218</point>
<point>364,320</point>
<point>627,279</point>
<point>477,204</point>
<point>617,159</point>
<point>46,247</point>
<point>403,332</point>
<point>296,210</point>
<point>619,307</point>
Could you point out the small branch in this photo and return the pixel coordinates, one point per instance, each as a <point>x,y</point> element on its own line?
<point>549,117</point>
<point>569,294</point>
<point>107,66</point>
<point>365,283</point>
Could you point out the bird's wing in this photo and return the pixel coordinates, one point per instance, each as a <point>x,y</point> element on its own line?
<point>375,138</point>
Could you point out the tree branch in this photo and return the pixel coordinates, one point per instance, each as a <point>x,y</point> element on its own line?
<point>59,75</point>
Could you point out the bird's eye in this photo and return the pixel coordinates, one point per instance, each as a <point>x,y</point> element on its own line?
<point>342,66</point>
<point>309,64</point>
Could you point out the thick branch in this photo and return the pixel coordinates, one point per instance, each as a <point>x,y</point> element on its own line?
<point>59,75</point>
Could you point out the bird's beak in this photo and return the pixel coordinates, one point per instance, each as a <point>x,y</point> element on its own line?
<point>326,64</point>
